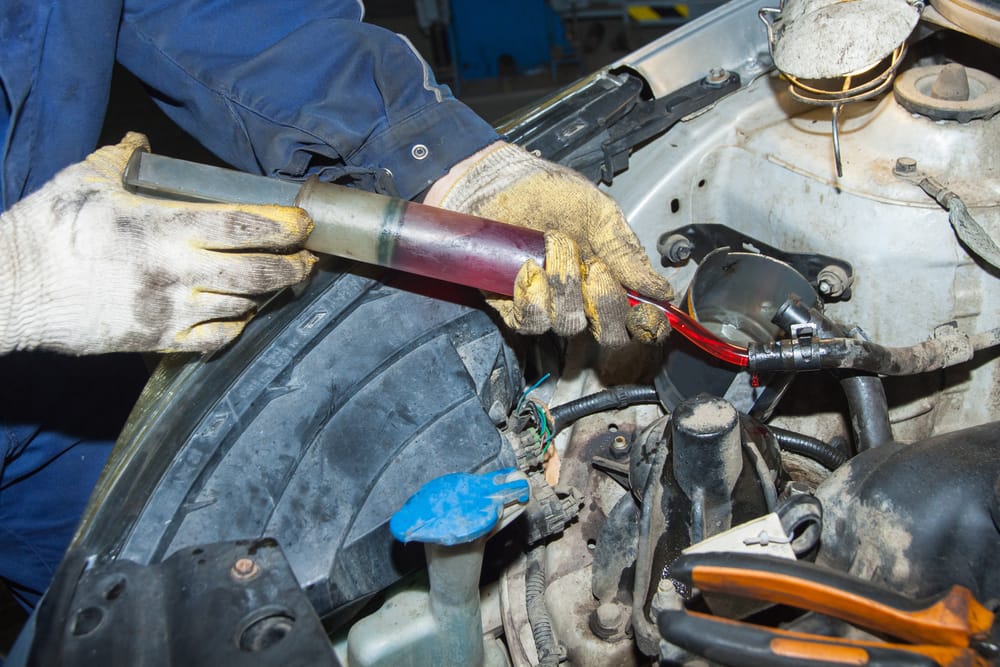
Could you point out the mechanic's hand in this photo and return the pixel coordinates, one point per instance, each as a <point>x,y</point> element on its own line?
<point>590,251</point>
<point>86,267</point>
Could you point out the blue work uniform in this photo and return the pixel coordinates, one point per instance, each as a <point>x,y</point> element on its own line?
<point>290,89</point>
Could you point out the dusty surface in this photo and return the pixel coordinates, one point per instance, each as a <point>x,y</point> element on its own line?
<point>832,40</point>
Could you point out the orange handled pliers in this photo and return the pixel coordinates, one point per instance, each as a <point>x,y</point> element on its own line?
<point>949,630</point>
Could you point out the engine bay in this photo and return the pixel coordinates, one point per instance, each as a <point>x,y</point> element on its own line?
<point>828,399</point>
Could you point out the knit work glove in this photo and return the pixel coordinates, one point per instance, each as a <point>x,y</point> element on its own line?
<point>86,267</point>
<point>590,251</point>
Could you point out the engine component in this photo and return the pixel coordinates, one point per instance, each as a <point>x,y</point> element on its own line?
<point>735,296</point>
<point>452,516</point>
<point>971,233</point>
<point>824,40</point>
<point>707,461</point>
<point>548,512</point>
<point>210,605</point>
<point>674,248</point>
<point>920,517</point>
<point>866,399</point>
<point>948,92</point>
<point>549,652</point>
<point>813,448</point>
<point>668,515</point>
<point>705,239</point>
<point>801,515</point>
<point>948,347</point>
<point>614,398</point>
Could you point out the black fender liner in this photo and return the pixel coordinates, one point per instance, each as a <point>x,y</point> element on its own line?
<point>336,403</point>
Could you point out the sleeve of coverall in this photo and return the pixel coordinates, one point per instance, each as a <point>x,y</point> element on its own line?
<point>299,88</point>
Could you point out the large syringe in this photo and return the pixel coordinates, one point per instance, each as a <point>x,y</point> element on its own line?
<point>360,225</point>
<point>395,233</point>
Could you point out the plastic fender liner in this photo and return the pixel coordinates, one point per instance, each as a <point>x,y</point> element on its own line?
<point>332,408</point>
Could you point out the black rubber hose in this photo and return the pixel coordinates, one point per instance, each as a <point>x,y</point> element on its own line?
<point>869,410</point>
<point>813,448</point>
<point>614,398</point>
<point>546,647</point>
<point>950,349</point>
<point>831,348</point>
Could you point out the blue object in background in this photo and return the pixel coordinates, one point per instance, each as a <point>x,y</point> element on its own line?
<point>483,33</point>
<point>457,508</point>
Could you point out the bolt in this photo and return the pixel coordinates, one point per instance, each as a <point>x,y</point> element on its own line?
<point>832,281</point>
<point>620,446</point>
<point>905,166</point>
<point>676,248</point>
<point>608,622</point>
<point>245,569</point>
<point>609,616</point>
<point>717,76</point>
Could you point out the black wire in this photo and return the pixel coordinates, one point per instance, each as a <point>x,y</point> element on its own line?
<point>813,448</point>
<point>614,398</point>
<point>546,646</point>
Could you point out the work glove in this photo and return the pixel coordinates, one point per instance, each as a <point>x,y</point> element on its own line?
<point>87,267</point>
<point>591,253</point>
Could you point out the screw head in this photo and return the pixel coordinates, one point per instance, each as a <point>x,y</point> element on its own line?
<point>244,569</point>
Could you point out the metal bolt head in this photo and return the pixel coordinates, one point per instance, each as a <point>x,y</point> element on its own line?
<point>717,76</point>
<point>832,281</point>
<point>676,248</point>
<point>620,445</point>
<point>245,569</point>
<point>905,166</point>
<point>609,615</point>
<point>609,622</point>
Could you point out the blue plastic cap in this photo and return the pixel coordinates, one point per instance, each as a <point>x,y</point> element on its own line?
<point>457,508</point>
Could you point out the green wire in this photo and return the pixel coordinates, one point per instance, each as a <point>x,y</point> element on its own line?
<point>544,434</point>
<point>524,394</point>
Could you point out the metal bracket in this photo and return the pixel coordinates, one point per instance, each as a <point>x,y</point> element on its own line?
<point>706,238</point>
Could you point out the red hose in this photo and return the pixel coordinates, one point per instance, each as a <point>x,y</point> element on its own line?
<point>688,327</point>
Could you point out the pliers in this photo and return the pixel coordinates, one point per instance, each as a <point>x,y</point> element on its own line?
<point>952,629</point>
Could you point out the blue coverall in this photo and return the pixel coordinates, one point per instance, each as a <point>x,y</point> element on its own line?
<point>290,89</point>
